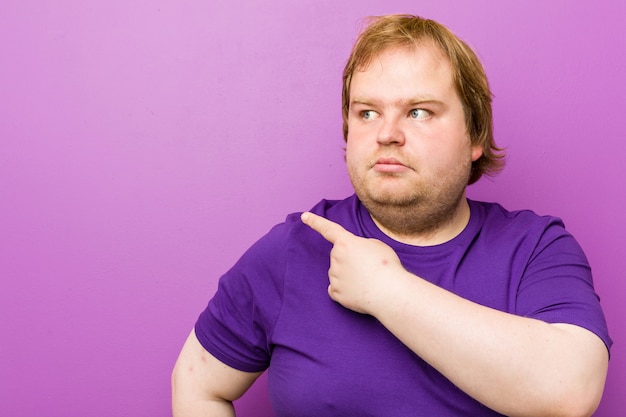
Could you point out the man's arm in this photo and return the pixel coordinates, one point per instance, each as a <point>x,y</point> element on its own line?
<point>517,366</point>
<point>204,386</point>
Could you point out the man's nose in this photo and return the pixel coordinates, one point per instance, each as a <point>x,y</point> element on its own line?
<point>391,132</point>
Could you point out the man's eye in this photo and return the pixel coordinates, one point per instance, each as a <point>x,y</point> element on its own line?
<point>419,114</point>
<point>368,114</point>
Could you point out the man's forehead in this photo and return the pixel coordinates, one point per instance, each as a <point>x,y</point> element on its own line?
<point>408,74</point>
<point>421,46</point>
<point>429,79</point>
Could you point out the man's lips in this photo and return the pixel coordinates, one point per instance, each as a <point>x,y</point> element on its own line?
<point>389,165</point>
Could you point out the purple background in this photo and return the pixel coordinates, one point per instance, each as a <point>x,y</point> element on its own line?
<point>145,144</point>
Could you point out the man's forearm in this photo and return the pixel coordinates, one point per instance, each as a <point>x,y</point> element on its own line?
<point>515,365</point>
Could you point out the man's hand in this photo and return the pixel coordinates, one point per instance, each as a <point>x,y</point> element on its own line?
<point>360,269</point>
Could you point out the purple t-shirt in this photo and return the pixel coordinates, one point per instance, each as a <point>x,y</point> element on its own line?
<point>272,310</point>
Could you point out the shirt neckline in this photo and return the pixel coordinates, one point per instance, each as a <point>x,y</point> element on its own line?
<point>371,230</point>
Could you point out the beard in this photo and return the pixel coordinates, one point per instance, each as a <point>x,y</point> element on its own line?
<point>417,208</point>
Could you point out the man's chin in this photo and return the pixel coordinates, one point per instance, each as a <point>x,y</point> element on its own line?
<point>389,199</point>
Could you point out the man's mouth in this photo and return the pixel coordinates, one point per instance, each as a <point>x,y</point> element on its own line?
<point>389,165</point>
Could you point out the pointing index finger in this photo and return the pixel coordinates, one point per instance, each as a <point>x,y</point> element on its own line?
<point>329,230</point>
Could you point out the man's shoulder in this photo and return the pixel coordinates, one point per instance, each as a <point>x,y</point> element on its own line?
<point>328,207</point>
<point>495,217</point>
<point>496,211</point>
<point>339,211</point>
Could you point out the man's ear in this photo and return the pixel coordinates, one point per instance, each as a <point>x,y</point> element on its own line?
<point>477,152</point>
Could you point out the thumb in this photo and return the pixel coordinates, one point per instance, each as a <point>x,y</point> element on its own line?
<point>329,230</point>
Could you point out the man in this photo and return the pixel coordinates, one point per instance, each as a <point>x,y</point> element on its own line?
<point>406,299</point>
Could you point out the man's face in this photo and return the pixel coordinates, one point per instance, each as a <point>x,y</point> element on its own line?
<point>407,142</point>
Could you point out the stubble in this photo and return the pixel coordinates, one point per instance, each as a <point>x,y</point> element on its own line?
<point>419,211</point>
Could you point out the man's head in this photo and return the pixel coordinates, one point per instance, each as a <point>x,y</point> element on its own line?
<point>410,32</point>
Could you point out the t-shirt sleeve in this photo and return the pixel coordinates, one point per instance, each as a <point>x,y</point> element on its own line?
<point>237,324</point>
<point>557,285</point>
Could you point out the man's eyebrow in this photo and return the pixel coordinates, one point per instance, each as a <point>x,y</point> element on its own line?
<point>404,102</point>
<point>367,102</point>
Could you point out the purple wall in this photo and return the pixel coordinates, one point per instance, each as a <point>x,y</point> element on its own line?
<point>145,144</point>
